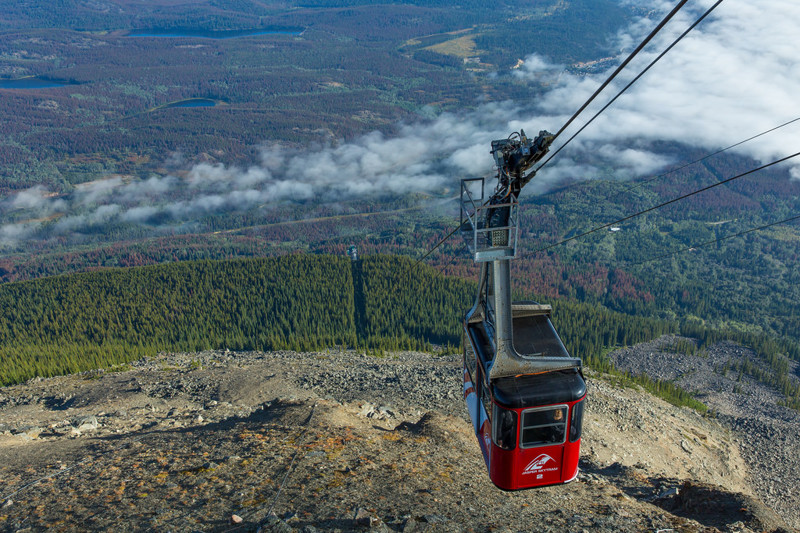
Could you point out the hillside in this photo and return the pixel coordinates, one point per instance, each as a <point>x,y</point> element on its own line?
<point>83,321</point>
<point>293,72</point>
<point>338,441</point>
<point>77,322</point>
<point>111,164</point>
<point>181,332</point>
<point>753,410</point>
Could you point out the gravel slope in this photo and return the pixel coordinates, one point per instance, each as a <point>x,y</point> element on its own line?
<point>766,433</point>
<point>340,441</point>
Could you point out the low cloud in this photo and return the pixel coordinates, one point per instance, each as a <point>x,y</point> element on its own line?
<point>734,76</point>
<point>537,68</point>
<point>11,234</point>
<point>36,200</point>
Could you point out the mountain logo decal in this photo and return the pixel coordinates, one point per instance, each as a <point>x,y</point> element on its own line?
<point>537,464</point>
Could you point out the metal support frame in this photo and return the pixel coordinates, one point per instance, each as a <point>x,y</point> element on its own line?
<point>492,241</point>
<point>482,238</point>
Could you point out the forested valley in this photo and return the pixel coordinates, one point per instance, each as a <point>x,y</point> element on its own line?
<point>101,264</point>
<point>101,319</point>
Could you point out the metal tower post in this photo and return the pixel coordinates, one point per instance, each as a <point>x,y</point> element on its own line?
<point>490,228</point>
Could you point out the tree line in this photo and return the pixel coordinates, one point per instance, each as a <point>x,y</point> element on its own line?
<point>75,322</point>
<point>302,302</point>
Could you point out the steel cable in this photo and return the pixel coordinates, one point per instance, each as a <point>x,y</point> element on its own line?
<point>613,75</point>
<point>628,86</point>
<point>674,200</point>
<point>650,180</point>
<point>622,66</point>
<point>708,243</point>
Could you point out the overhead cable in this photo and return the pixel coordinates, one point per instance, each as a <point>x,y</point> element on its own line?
<point>645,182</point>
<point>678,199</point>
<point>651,179</point>
<point>421,259</point>
<point>708,243</point>
<point>622,65</point>
<point>634,80</point>
<point>640,184</point>
<point>619,69</point>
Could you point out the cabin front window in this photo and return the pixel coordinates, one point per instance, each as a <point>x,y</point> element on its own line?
<point>544,426</point>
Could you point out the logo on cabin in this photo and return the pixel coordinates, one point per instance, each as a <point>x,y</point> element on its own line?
<point>538,464</point>
<point>487,440</point>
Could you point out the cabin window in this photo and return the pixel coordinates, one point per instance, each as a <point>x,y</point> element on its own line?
<point>544,426</point>
<point>577,421</point>
<point>504,429</point>
<point>487,402</point>
<point>470,362</point>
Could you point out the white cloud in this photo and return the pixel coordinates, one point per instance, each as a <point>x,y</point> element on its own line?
<point>732,77</point>
<point>97,191</point>
<point>539,69</point>
<point>140,213</point>
<point>735,75</point>
<point>36,199</point>
<point>102,215</point>
<point>11,234</point>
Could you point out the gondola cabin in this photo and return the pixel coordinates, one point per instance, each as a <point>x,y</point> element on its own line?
<point>528,426</point>
<point>524,393</point>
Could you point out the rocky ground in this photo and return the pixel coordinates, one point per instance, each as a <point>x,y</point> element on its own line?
<point>217,441</point>
<point>766,433</point>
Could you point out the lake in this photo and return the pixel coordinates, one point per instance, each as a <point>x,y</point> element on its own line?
<point>193,102</point>
<point>32,83</point>
<point>224,34</point>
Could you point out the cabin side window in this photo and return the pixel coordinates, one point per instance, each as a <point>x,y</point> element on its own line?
<point>543,426</point>
<point>487,402</point>
<point>576,424</point>
<point>504,428</point>
<point>470,362</point>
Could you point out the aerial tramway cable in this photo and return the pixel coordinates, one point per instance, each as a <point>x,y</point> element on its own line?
<point>650,180</point>
<point>621,66</point>
<point>628,86</point>
<point>674,200</point>
<point>597,92</point>
<point>644,182</point>
<point>619,69</point>
<point>438,244</point>
<point>708,243</point>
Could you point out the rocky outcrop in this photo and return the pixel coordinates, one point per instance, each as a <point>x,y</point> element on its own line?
<point>339,441</point>
<point>765,432</point>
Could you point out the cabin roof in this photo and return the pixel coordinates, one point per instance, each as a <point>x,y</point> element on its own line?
<point>539,389</point>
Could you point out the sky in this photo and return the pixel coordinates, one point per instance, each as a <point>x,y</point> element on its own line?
<point>733,77</point>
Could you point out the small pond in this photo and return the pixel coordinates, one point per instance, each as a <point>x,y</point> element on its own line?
<point>32,83</point>
<point>193,102</point>
<point>207,34</point>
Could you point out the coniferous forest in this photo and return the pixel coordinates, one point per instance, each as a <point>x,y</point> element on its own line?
<point>301,302</point>
<point>98,319</point>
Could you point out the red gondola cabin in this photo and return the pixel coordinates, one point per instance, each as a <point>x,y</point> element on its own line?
<point>524,392</point>
<point>528,426</point>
